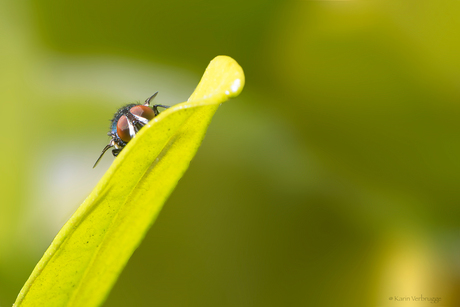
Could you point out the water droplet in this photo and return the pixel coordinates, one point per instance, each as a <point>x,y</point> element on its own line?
<point>236,85</point>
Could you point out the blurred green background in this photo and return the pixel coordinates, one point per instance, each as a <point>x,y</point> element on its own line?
<point>333,180</point>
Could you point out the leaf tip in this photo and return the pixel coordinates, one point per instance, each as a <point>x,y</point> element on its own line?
<point>223,77</point>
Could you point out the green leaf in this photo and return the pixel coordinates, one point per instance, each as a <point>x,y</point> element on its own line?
<point>88,254</point>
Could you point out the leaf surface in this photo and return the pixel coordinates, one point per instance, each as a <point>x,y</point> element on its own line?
<point>86,257</point>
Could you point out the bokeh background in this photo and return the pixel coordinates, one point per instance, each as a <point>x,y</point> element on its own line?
<point>333,180</point>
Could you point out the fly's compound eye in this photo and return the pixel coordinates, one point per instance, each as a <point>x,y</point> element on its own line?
<point>143,111</point>
<point>123,129</point>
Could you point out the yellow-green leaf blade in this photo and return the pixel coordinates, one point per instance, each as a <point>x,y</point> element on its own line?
<point>86,257</point>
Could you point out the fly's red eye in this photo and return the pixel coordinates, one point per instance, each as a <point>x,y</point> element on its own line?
<point>143,111</point>
<point>123,129</point>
